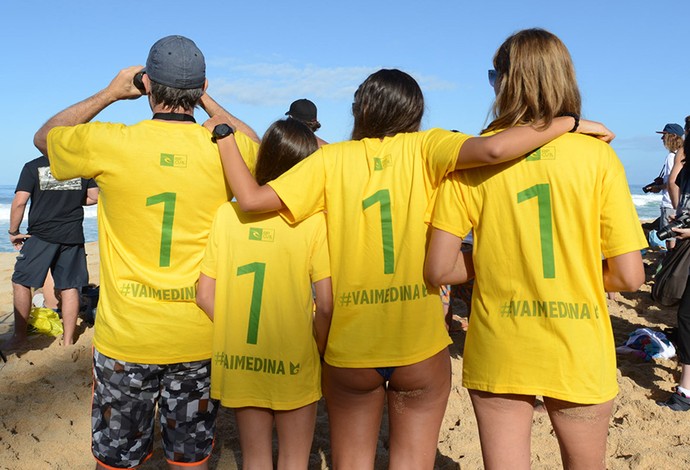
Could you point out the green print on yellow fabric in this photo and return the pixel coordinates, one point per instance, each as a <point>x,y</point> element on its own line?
<point>383,197</point>
<point>543,194</point>
<point>381,163</point>
<point>253,364</point>
<point>259,270</point>
<point>134,289</point>
<point>544,153</point>
<point>549,309</point>
<point>168,200</point>
<point>262,234</point>
<point>172,160</point>
<point>382,296</point>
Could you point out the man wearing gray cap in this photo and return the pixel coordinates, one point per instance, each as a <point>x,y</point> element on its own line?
<point>161,182</point>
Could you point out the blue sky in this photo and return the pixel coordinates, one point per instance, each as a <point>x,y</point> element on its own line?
<point>263,55</point>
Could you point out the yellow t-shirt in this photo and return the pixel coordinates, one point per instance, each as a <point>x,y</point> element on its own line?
<point>264,352</point>
<point>539,323</point>
<point>160,185</point>
<point>375,193</point>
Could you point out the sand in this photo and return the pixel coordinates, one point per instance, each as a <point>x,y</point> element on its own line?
<point>45,402</point>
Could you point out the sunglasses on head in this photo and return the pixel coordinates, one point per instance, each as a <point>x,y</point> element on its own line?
<point>492,77</point>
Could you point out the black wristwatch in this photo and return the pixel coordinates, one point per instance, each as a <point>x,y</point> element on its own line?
<point>222,130</point>
<point>14,234</point>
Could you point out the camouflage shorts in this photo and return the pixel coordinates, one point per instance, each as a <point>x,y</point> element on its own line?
<point>124,406</point>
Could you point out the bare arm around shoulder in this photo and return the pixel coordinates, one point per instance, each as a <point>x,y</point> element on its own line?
<point>445,262</point>
<point>517,141</point>
<point>212,108</point>
<point>624,273</point>
<point>250,196</point>
<point>206,294</point>
<point>91,196</point>
<point>121,87</point>
<point>324,312</point>
<point>672,187</point>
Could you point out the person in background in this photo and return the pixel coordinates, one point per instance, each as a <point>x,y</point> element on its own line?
<point>673,187</point>
<point>680,398</point>
<point>672,138</point>
<point>53,244</point>
<point>250,257</point>
<point>539,324</point>
<point>161,182</point>
<point>304,110</point>
<point>374,190</point>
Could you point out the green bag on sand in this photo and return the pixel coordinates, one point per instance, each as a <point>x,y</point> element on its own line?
<point>45,321</point>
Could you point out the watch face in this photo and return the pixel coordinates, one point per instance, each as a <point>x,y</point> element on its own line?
<point>222,130</point>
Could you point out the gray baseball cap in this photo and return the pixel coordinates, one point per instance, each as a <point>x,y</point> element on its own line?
<point>175,61</point>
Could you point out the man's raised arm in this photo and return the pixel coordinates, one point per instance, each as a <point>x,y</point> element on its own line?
<point>212,108</point>
<point>121,87</point>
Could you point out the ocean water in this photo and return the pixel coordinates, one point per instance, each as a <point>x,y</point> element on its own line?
<point>647,208</point>
<point>647,205</point>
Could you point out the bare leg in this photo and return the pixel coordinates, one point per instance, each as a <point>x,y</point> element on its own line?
<point>70,311</point>
<point>581,431</point>
<point>22,308</point>
<point>255,426</point>
<point>354,398</point>
<point>417,398</point>
<point>50,297</point>
<point>685,376</point>
<point>295,435</point>
<point>505,426</point>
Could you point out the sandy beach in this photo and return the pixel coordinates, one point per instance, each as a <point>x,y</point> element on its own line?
<point>45,402</point>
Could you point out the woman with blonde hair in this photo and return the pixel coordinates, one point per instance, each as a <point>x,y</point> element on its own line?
<point>539,324</point>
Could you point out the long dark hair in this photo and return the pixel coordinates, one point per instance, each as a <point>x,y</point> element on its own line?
<point>386,103</point>
<point>285,143</point>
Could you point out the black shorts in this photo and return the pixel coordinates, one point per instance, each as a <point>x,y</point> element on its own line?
<point>67,263</point>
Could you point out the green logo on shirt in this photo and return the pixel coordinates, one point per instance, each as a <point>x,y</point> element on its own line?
<point>382,163</point>
<point>262,234</point>
<point>177,161</point>
<point>544,153</point>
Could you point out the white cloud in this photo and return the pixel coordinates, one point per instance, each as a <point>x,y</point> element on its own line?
<point>272,84</point>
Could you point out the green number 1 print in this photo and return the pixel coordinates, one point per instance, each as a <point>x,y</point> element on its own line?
<point>259,270</point>
<point>543,194</point>
<point>168,200</point>
<point>383,197</point>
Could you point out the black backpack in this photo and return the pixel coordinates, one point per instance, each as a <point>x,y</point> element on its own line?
<point>670,280</point>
